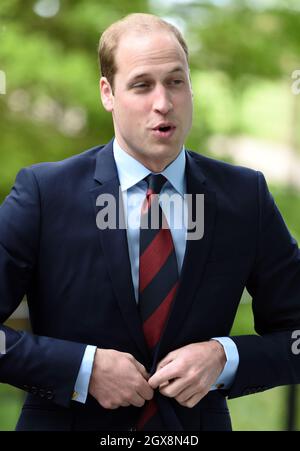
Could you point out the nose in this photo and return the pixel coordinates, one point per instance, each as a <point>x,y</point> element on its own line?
<point>162,101</point>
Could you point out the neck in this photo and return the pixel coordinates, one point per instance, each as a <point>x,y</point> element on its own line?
<point>152,162</point>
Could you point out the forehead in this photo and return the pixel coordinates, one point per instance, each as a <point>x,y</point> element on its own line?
<point>153,50</point>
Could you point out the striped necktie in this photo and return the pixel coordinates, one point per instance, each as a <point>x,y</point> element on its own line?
<point>158,279</point>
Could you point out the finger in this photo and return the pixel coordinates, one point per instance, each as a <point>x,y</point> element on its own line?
<point>168,359</point>
<point>193,400</point>
<point>174,388</point>
<point>164,384</point>
<point>125,404</point>
<point>137,400</point>
<point>145,391</point>
<point>186,394</point>
<point>162,375</point>
<point>142,369</point>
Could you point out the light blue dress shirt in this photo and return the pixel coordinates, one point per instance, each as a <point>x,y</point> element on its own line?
<point>131,174</point>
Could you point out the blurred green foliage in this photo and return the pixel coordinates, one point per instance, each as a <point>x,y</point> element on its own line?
<point>242,55</point>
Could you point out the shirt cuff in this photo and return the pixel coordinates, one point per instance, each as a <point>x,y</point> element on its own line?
<point>84,375</point>
<point>226,378</point>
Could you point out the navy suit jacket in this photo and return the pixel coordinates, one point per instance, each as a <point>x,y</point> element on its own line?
<point>79,288</point>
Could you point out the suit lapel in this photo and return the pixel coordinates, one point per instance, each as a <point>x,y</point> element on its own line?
<point>194,260</point>
<point>115,246</point>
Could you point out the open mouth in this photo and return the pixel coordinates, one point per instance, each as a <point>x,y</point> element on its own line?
<point>164,129</point>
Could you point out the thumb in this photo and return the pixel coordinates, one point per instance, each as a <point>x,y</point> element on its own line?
<point>142,370</point>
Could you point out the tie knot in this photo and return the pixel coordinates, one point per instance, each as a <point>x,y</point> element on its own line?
<point>155,182</point>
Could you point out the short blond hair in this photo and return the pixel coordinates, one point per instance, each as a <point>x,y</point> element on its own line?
<point>138,22</point>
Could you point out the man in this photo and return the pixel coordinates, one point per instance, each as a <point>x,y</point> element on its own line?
<point>104,354</point>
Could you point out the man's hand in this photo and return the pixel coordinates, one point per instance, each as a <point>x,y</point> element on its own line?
<point>187,373</point>
<point>118,379</point>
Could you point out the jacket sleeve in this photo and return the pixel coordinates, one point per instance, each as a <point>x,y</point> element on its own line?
<point>45,366</point>
<point>269,359</point>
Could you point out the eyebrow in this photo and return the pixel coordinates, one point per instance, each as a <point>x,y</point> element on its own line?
<point>147,74</point>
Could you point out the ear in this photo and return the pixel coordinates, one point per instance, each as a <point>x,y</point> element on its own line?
<point>106,94</point>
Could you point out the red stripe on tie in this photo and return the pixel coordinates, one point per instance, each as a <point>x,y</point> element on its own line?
<point>153,326</point>
<point>154,256</point>
<point>149,411</point>
<point>150,195</point>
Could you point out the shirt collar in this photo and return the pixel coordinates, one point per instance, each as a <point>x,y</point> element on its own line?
<point>131,171</point>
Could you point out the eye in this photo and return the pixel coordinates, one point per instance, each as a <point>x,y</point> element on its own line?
<point>140,85</point>
<point>177,82</point>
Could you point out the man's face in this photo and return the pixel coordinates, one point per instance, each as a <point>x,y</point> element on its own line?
<point>152,100</point>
